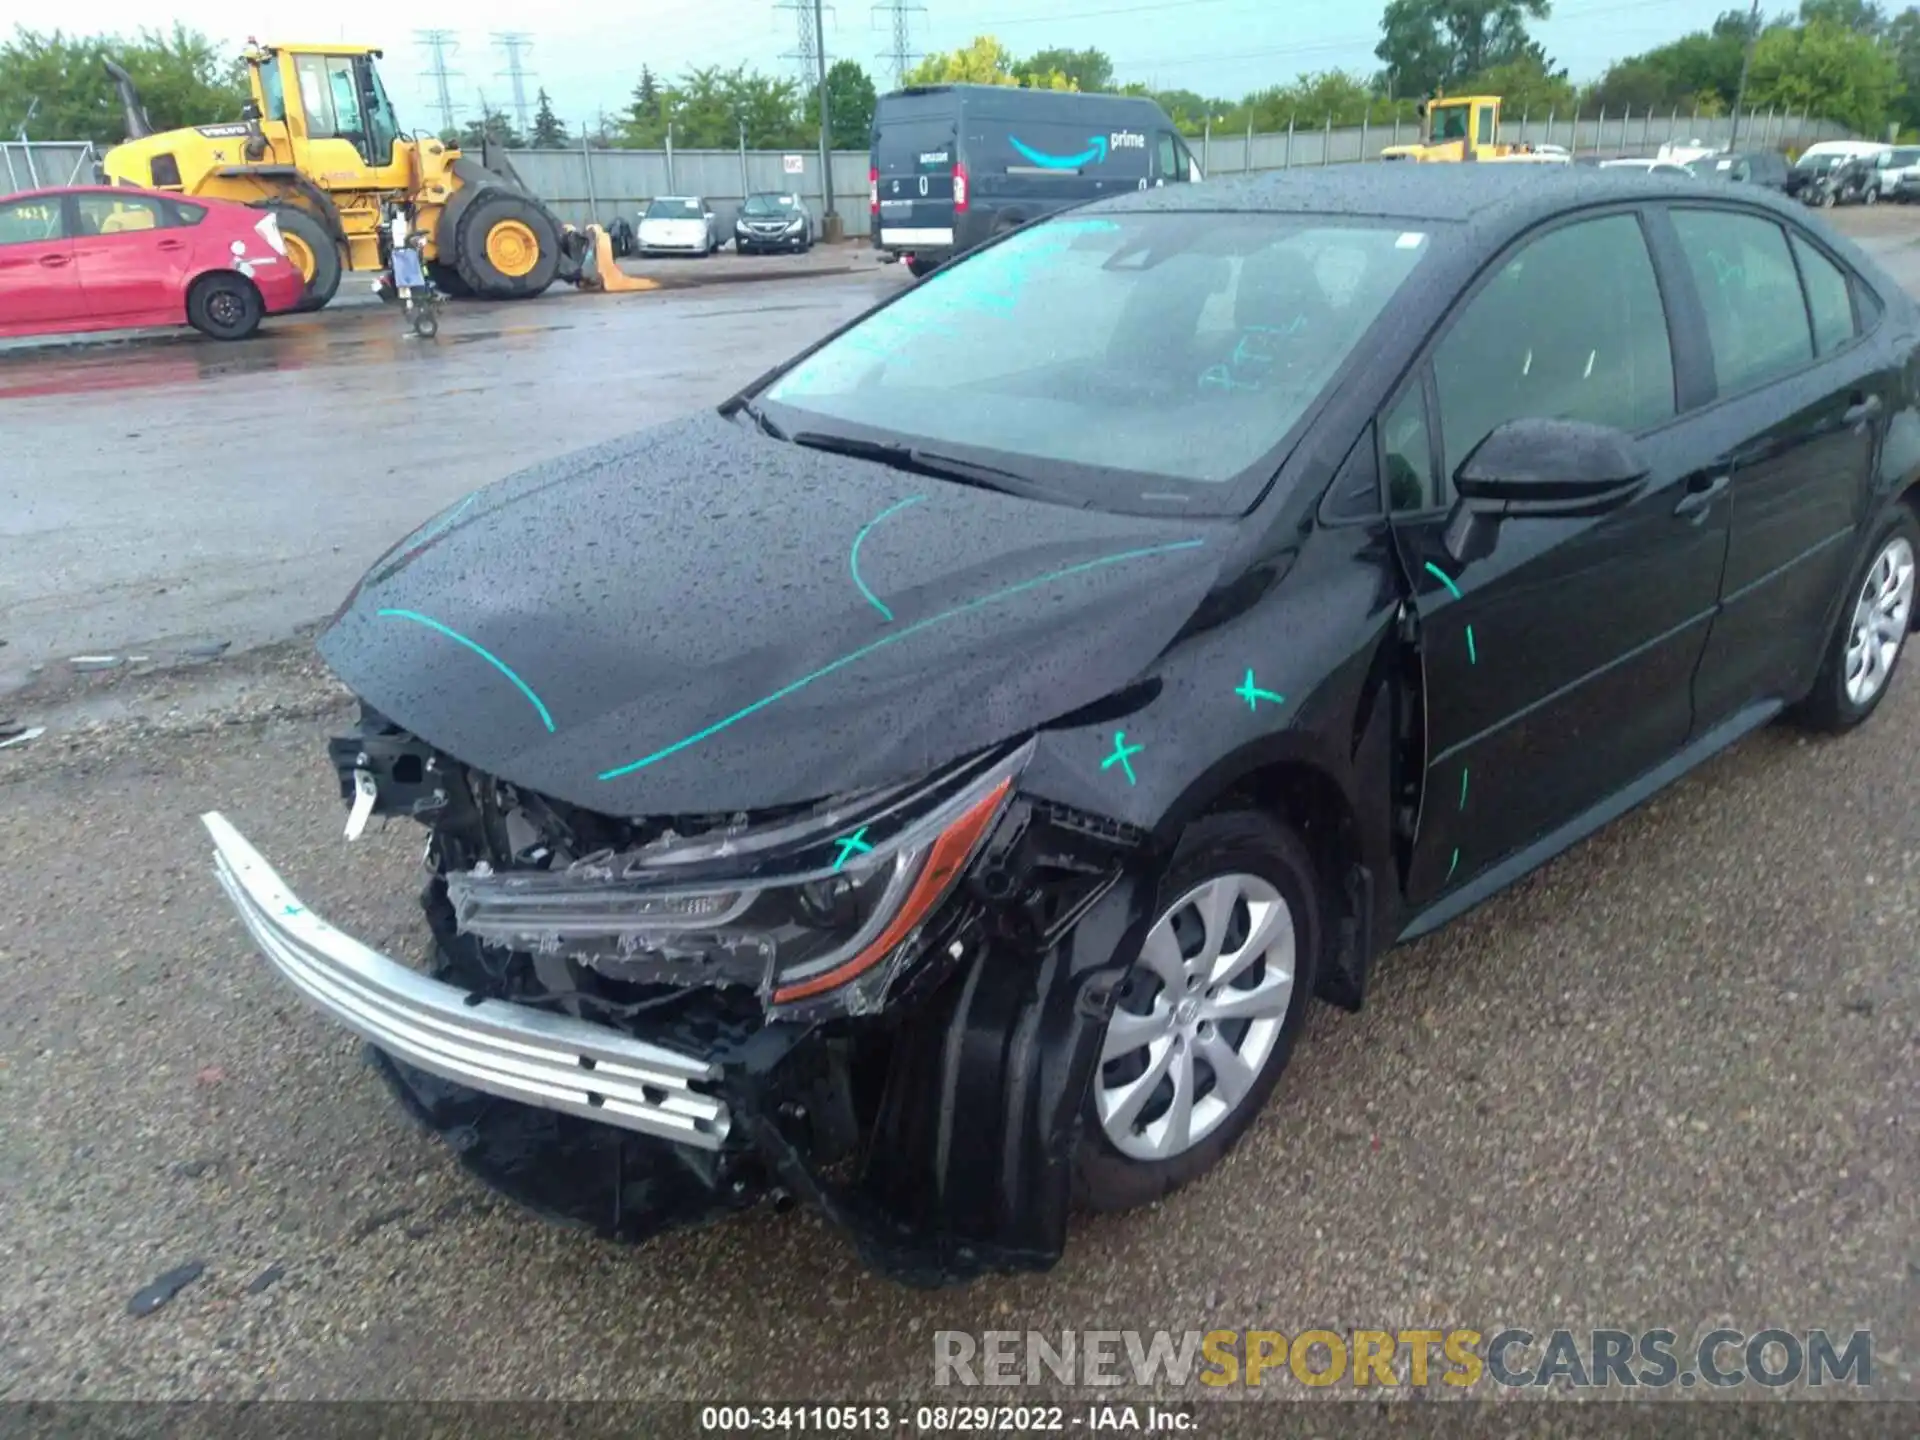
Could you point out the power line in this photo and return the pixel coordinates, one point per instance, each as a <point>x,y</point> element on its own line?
<point>440,44</point>
<point>513,42</point>
<point>898,55</point>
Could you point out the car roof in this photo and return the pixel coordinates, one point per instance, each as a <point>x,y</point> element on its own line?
<point>98,190</point>
<point>1493,195</point>
<point>687,199</point>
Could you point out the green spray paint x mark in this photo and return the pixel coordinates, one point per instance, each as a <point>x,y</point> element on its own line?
<point>1253,695</point>
<point>890,638</point>
<point>1121,750</point>
<point>850,845</point>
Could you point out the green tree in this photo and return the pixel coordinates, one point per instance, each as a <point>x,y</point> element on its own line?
<point>1428,45</point>
<point>1860,16</point>
<point>493,127</point>
<point>1903,40</point>
<point>645,123</point>
<point>850,102</point>
<point>1701,70</point>
<point>1088,69</point>
<point>985,62</point>
<point>182,77</point>
<point>1827,69</point>
<point>709,108</point>
<point>1526,87</point>
<point>548,132</point>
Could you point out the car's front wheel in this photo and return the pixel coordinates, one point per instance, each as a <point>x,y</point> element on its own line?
<point>1207,1017</point>
<point>1875,619</point>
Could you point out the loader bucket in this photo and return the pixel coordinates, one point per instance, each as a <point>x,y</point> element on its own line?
<point>601,272</point>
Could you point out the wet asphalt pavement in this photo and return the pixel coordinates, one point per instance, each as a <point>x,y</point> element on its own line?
<point>1669,1080</point>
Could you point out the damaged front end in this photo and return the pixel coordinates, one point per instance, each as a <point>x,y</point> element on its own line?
<point>887,1003</point>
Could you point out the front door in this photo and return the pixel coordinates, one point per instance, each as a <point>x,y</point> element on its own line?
<point>133,261</point>
<point>37,282</point>
<point>1802,404</point>
<point>1558,668</point>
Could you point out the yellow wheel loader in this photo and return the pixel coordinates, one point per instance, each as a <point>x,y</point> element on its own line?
<point>318,144</point>
<point>1463,127</point>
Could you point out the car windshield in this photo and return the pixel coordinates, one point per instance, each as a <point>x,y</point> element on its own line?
<point>675,210</point>
<point>1904,156</point>
<point>768,205</point>
<point>1134,362</point>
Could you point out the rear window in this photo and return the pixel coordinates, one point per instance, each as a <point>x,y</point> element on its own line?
<point>1139,361</point>
<point>913,145</point>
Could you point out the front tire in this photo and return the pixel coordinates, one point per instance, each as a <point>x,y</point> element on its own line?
<point>224,305</point>
<point>506,248</point>
<point>1875,620</point>
<point>1208,1016</point>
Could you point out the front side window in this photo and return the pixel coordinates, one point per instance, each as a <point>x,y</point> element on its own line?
<point>30,222</point>
<point>1169,162</point>
<point>315,96</point>
<point>1138,360</point>
<point>119,214</point>
<point>385,126</point>
<point>1829,298</point>
<point>1406,453</point>
<point>1451,123</point>
<point>1756,317</point>
<point>1533,343</point>
<point>1486,126</point>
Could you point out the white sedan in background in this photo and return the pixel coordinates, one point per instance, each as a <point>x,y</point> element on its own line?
<point>1652,165</point>
<point>677,225</point>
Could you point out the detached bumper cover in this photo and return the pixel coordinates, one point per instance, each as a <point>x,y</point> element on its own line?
<point>555,1062</point>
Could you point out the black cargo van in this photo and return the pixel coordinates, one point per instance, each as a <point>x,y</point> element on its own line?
<point>954,165</point>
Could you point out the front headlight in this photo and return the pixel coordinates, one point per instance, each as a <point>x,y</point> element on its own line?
<point>830,903</point>
<point>740,226</point>
<point>796,222</point>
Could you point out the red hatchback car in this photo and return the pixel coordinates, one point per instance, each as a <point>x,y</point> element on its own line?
<point>97,257</point>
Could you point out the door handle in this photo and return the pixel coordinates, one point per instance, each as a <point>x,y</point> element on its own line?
<point>54,262</point>
<point>1862,409</point>
<point>173,245</point>
<point>1701,493</point>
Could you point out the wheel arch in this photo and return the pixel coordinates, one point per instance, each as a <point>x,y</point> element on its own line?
<point>1291,777</point>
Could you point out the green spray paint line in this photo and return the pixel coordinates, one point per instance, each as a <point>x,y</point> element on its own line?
<point>1444,578</point>
<point>853,555</point>
<point>1473,653</point>
<point>1453,865</point>
<point>480,650</point>
<point>891,638</point>
<point>1463,787</point>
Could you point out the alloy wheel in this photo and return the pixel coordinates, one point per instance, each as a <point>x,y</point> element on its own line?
<point>1880,619</point>
<point>1198,1017</point>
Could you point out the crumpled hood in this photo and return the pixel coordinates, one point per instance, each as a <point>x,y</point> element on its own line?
<point>697,618</point>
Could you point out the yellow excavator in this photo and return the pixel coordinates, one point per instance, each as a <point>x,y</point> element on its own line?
<point>1462,127</point>
<point>318,144</point>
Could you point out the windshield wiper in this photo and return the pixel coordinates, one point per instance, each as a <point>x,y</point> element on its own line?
<point>759,417</point>
<point>921,462</point>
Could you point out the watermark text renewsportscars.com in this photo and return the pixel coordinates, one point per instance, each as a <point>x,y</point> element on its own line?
<point>1379,1359</point>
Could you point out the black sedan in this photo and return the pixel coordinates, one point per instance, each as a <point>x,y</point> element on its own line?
<point>772,221</point>
<point>949,806</point>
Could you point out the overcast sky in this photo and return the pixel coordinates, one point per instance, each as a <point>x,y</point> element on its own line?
<point>1223,47</point>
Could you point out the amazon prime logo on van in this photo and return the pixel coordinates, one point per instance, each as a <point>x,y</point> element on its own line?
<point>1127,140</point>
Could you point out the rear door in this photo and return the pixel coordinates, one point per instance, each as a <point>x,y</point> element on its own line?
<point>37,281</point>
<point>1802,398</point>
<point>133,260</point>
<point>916,147</point>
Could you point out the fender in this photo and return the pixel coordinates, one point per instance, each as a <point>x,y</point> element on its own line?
<point>319,203</point>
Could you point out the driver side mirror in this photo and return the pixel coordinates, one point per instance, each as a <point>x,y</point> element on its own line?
<point>1536,468</point>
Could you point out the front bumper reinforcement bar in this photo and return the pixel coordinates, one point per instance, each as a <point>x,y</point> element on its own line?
<point>555,1062</point>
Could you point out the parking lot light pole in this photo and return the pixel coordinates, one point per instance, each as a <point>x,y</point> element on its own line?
<point>830,222</point>
<point>1746,63</point>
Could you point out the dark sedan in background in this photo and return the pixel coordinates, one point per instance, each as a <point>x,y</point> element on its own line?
<point>1071,669</point>
<point>772,221</point>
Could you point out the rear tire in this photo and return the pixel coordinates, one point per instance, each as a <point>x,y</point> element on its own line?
<point>494,232</point>
<point>309,234</point>
<point>1870,638</point>
<point>447,280</point>
<point>1234,1060</point>
<point>224,305</point>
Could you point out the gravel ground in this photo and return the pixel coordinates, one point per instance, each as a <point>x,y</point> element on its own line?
<point>1667,1081</point>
